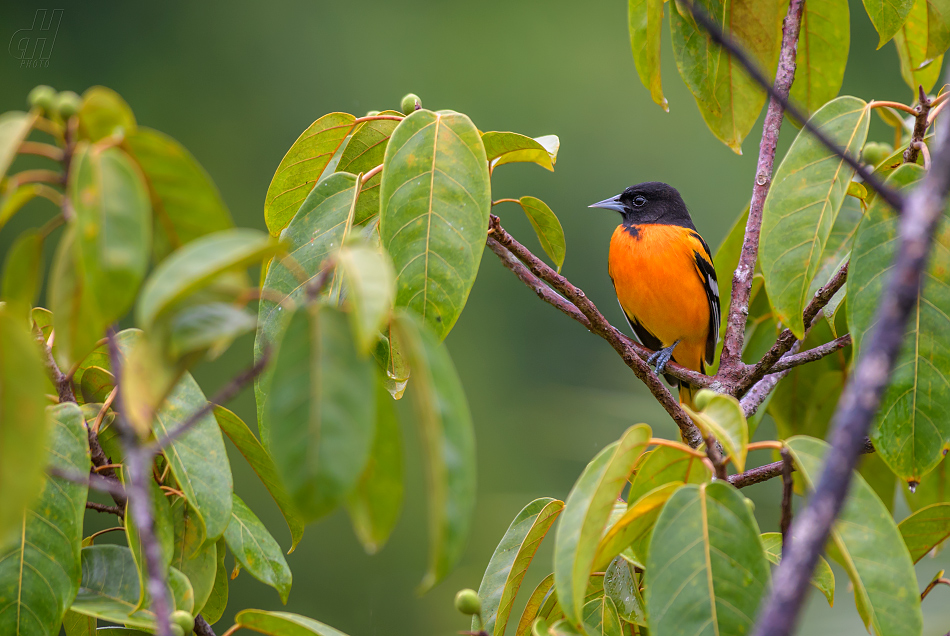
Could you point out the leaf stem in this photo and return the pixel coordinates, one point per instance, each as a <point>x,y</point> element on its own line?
<point>659,441</point>
<point>372,172</point>
<point>497,201</point>
<point>41,149</point>
<point>360,120</point>
<point>884,104</point>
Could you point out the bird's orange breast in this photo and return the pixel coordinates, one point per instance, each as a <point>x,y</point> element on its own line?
<point>654,272</point>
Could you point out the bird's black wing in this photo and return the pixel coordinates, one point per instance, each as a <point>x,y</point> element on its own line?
<point>707,272</point>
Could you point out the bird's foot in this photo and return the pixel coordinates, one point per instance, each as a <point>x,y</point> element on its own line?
<point>661,357</point>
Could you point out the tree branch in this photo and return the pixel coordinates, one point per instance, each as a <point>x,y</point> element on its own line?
<point>862,396</point>
<point>788,362</point>
<point>98,507</point>
<point>786,520</point>
<point>921,124</point>
<point>202,628</point>
<point>730,361</point>
<point>770,471</point>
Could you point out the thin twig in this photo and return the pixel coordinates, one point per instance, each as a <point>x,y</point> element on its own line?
<point>92,480</point>
<point>770,471</point>
<point>862,395</point>
<point>730,361</point>
<point>786,520</point>
<point>98,507</point>
<point>811,355</point>
<point>921,113</point>
<point>715,457</point>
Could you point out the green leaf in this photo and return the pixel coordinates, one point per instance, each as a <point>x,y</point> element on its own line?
<point>925,529</point>
<point>548,228</point>
<point>586,514</point>
<point>207,328</point>
<point>316,231</point>
<point>510,561</point>
<point>218,600</point>
<point>78,625</point>
<point>721,416</point>
<point>263,465</point>
<point>321,410</point>
<point>197,561</point>
<point>938,27</point>
<point>509,147</point>
<point>392,362</point>
<point>802,205</point>
<point>888,17</point>
<point>15,126</point>
<point>710,567</point>
<point>198,459</point>
<point>533,606</point>
<point>664,465</point>
<point>370,281</point>
<point>104,113</point>
<point>620,586</point>
<point>13,199</point>
<point>448,438</point>
<point>164,536</point>
<point>632,530</point>
<point>39,569</point>
<point>283,624</point>
<point>645,18</point>
<point>182,594</point>
<point>435,198</point>
<point>869,547</point>
<point>912,42</point>
<point>837,250</point>
<point>23,424</point>
<point>364,151</point>
<point>185,202</point>
<point>375,503</point>
<point>23,271</point>
<point>600,618</point>
<point>197,265</point>
<point>911,431</point>
<point>256,550</point>
<point>822,579</point>
<point>96,385</point>
<point>823,44</point>
<point>113,225</point>
<point>302,166</point>
<point>728,99</point>
<point>109,588</point>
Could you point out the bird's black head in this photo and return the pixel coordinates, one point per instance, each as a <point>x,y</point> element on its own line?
<point>650,202</point>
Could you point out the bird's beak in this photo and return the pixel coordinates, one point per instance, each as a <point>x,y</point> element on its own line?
<point>613,203</point>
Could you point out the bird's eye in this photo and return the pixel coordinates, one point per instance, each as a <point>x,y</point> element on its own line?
<point>639,201</point>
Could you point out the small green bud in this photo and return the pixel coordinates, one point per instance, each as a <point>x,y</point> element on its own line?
<point>372,113</point>
<point>41,97</point>
<point>410,103</point>
<point>183,620</point>
<point>875,152</point>
<point>67,104</point>
<point>177,630</point>
<point>467,601</point>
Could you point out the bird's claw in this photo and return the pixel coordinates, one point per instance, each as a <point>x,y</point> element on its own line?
<point>662,357</point>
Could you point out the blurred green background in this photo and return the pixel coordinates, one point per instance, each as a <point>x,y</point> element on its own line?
<point>236,82</point>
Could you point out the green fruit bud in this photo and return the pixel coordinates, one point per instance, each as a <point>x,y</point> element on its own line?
<point>177,630</point>
<point>410,103</point>
<point>183,620</point>
<point>42,97</point>
<point>372,113</point>
<point>67,104</point>
<point>875,152</point>
<point>467,601</point>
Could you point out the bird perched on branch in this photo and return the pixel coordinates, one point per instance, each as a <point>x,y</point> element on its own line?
<point>664,277</point>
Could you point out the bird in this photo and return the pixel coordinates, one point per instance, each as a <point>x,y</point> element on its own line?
<point>665,279</point>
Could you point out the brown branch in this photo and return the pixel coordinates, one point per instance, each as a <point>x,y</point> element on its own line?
<point>202,628</point>
<point>91,480</point>
<point>921,124</point>
<point>98,507</point>
<point>787,362</point>
<point>715,457</point>
<point>600,326</point>
<point>730,361</point>
<point>862,395</point>
<point>770,471</point>
<point>786,520</point>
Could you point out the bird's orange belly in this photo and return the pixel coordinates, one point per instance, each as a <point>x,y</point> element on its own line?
<point>657,283</point>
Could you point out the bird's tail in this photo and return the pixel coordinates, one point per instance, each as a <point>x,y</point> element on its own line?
<point>687,392</point>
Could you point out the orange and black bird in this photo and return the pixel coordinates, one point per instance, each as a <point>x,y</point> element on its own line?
<point>664,277</point>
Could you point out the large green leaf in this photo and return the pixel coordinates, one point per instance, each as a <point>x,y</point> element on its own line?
<point>321,410</point>
<point>302,166</point>
<point>78,625</point>
<point>728,99</point>
<point>868,545</point>
<point>263,465</point>
<point>823,43</point>
<point>911,431</point>
<point>548,228</point>
<point>113,225</point>
<point>621,586</point>
<point>822,579</point>
<point>802,205</point>
<point>926,529</point>
<point>632,530</point>
<point>435,200</point>
<point>364,151</point>
<point>217,601</point>
<point>185,202</point>
<point>938,27</point>
<point>256,550</point>
<point>104,113</point>
<point>23,423</point>
<point>586,514</point>
<point>888,16</point>
<point>197,265</point>
<point>645,19</point>
<point>913,43</point>
<point>375,503</point>
<point>534,604</point>
<point>283,624</point>
<point>600,618</point>
<point>14,128</point>
<point>196,560</point>
<point>509,147</point>
<point>448,439</point>
<point>198,459</point>
<point>663,465</point>
<point>316,231</point>
<point>510,561</point>
<point>710,568</point>
<point>23,271</point>
<point>370,281</point>
<point>39,570</point>
<point>721,416</point>
<point>836,252</point>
